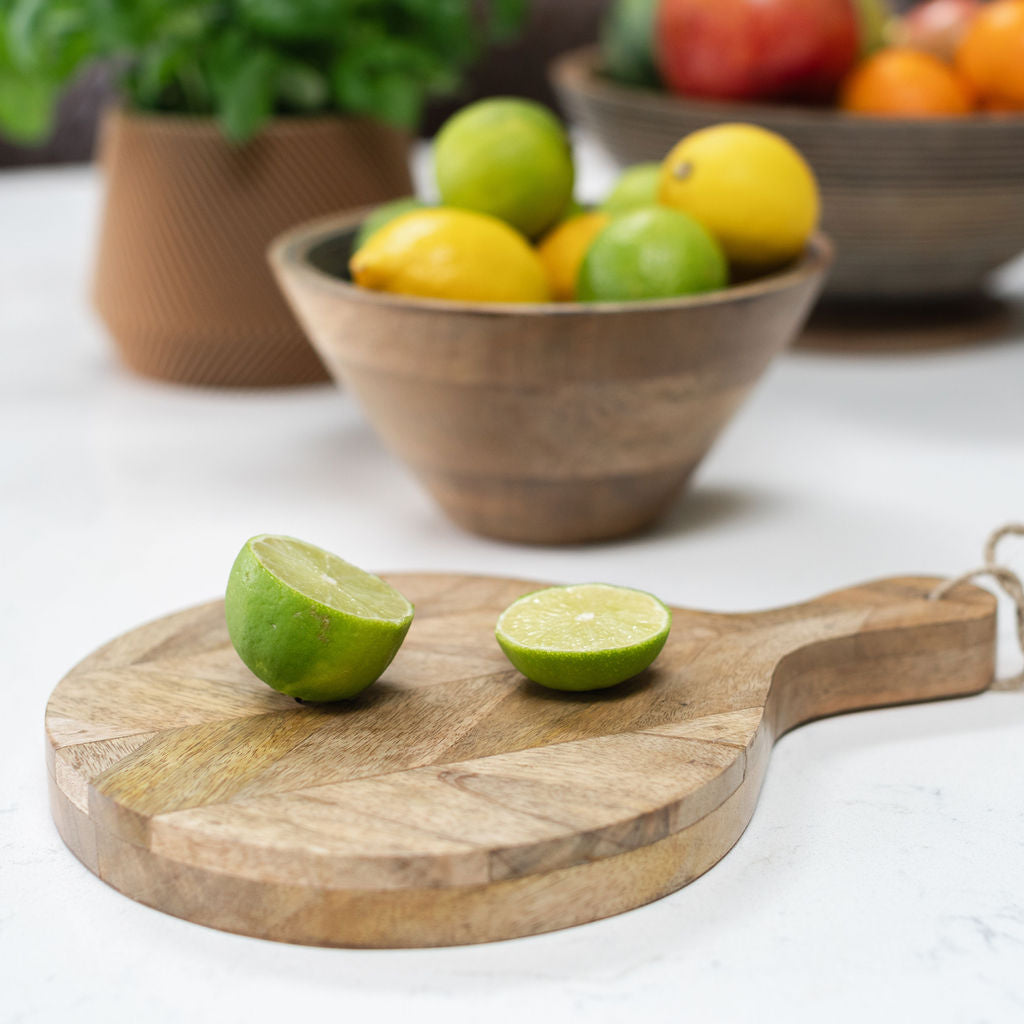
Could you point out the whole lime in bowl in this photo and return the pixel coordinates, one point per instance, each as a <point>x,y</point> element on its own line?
<point>637,186</point>
<point>651,253</point>
<point>509,158</point>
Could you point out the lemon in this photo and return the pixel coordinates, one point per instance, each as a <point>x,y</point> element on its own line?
<point>651,253</point>
<point>583,637</point>
<point>563,249</point>
<point>308,623</point>
<point>451,254</point>
<point>749,187</point>
<point>637,186</point>
<point>506,157</point>
<point>384,214</point>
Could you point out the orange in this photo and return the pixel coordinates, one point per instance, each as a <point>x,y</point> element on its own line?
<point>563,249</point>
<point>899,82</point>
<point>991,54</point>
<point>997,106</point>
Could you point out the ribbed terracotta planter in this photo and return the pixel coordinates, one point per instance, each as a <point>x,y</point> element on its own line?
<point>917,208</point>
<point>181,278</point>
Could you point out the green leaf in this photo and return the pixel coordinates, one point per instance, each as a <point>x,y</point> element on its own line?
<point>506,20</point>
<point>310,20</point>
<point>24,32</point>
<point>302,86</point>
<point>245,94</point>
<point>27,107</point>
<point>397,99</point>
<point>189,24</point>
<point>155,71</point>
<point>245,60</point>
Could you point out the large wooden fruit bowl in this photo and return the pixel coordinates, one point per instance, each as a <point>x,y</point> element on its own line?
<point>917,208</point>
<point>543,423</point>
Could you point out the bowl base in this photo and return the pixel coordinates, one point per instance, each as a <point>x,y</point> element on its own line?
<point>557,511</point>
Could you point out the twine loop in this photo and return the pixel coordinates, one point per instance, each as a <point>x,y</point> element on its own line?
<point>1005,578</point>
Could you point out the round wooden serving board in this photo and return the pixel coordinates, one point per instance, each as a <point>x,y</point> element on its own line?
<point>454,801</point>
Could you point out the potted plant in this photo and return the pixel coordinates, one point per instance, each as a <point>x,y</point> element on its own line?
<point>237,119</point>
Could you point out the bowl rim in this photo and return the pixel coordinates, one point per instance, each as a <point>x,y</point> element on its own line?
<point>576,71</point>
<point>289,254</point>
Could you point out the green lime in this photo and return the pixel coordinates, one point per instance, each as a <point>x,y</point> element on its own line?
<point>308,623</point>
<point>573,209</point>
<point>651,253</point>
<point>506,157</point>
<point>384,214</point>
<point>637,186</point>
<point>873,16</point>
<point>627,41</point>
<point>583,637</point>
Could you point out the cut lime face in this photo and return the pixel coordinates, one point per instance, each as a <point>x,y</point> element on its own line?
<point>308,623</point>
<point>583,637</point>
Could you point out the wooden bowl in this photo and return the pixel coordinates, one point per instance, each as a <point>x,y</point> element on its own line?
<point>916,208</point>
<point>544,423</point>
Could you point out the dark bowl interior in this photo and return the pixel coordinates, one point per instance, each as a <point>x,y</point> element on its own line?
<point>323,250</point>
<point>331,255</point>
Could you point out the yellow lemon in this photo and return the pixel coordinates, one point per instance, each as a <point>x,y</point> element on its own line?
<point>451,254</point>
<point>563,249</point>
<point>749,187</point>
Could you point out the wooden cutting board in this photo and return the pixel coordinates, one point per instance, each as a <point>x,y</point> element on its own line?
<point>454,801</point>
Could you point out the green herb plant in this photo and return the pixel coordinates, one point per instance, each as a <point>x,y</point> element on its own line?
<point>244,61</point>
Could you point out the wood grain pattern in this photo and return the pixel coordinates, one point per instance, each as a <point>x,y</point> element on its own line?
<point>917,208</point>
<point>544,423</point>
<point>454,801</point>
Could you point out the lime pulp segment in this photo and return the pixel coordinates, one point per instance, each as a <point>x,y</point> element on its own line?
<point>583,637</point>
<point>329,579</point>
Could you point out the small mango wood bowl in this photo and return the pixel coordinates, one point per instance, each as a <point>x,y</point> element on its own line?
<point>543,423</point>
<point>917,208</point>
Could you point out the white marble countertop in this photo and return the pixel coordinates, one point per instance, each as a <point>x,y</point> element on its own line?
<point>882,876</point>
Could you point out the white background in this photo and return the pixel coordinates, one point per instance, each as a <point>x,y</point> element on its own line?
<point>882,877</point>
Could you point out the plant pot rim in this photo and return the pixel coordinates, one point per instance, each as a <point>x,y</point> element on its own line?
<point>208,125</point>
<point>290,253</point>
<point>578,71</point>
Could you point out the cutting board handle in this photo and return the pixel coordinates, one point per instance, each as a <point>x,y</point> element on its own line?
<point>882,643</point>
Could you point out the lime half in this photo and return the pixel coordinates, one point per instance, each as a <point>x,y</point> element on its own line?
<point>308,623</point>
<point>583,637</point>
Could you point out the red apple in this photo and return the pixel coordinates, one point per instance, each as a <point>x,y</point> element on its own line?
<point>756,49</point>
<point>936,26</point>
